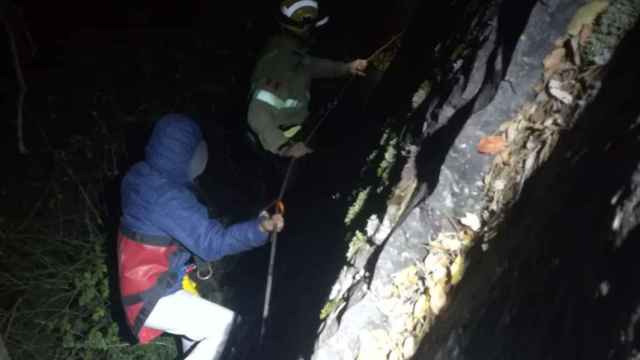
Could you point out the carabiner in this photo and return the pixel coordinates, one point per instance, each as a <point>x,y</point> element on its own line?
<point>209,273</point>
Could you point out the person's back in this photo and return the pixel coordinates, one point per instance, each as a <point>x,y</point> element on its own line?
<point>162,226</point>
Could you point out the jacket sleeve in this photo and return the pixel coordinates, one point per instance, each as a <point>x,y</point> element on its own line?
<point>179,214</point>
<point>325,68</point>
<point>261,121</point>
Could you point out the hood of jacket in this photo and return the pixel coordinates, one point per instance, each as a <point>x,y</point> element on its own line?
<point>172,147</point>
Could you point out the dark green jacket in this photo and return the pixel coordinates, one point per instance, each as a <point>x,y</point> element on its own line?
<point>280,88</point>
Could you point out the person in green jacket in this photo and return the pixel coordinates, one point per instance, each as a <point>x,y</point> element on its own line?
<point>282,77</point>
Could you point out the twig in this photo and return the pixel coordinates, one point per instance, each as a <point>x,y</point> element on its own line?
<point>35,209</point>
<point>22,86</point>
<point>380,49</point>
<point>82,190</point>
<point>13,279</point>
<point>14,309</point>
<point>4,354</point>
<point>27,33</point>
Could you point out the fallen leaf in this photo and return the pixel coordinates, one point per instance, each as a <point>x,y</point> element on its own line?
<point>409,347</point>
<point>553,61</point>
<point>457,269</point>
<point>418,98</point>
<point>421,308</point>
<point>512,132</point>
<point>467,237</point>
<point>472,221</point>
<point>435,262</point>
<point>491,145</point>
<point>407,278</point>
<point>538,116</point>
<point>574,51</point>
<point>395,355</point>
<point>529,166</point>
<point>555,89</point>
<point>586,15</point>
<point>398,323</point>
<point>438,274</point>
<point>437,297</point>
<point>451,243</point>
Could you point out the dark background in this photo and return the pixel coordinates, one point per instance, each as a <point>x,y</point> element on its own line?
<point>104,71</point>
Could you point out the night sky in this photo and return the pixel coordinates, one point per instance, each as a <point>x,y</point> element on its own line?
<point>80,40</point>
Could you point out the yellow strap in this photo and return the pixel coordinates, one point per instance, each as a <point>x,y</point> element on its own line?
<point>189,285</point>
<point>292,131</point>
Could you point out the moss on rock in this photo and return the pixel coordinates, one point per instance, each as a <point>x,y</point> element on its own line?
<point>609,28</point>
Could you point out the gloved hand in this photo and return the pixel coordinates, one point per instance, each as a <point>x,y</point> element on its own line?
<point>271,222</point>
<point>296,150</point>
<point>358,67</point>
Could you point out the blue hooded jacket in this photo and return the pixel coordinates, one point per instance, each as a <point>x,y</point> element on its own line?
<point>157,199</point>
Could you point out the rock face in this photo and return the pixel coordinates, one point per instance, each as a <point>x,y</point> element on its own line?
<point>474,234</point>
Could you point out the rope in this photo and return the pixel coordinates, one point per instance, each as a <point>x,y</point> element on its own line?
<point>278,202</point>
<point>279,209</point>
<point>383,47</point>
<point>329,107</point>
<point>267,297</point>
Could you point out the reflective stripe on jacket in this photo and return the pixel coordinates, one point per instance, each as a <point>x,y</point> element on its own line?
<point>275,101</point>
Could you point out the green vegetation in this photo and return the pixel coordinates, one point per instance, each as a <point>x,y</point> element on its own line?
<point>56,297</point>
<point>356,207</point>
<point>609,28</point>
<point>329,307</point>
<point>357,242</point>
<point>389,159</point>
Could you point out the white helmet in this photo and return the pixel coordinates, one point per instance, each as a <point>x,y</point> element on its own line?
<point>300,15</point>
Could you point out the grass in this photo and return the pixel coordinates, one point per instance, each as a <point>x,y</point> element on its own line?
<point>55,289</point>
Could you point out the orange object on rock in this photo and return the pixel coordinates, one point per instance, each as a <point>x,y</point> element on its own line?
<point>491,145</point>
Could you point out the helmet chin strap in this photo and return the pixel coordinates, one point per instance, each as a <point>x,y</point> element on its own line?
<point>322,22</point>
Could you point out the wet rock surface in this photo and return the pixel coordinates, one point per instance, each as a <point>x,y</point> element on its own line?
<point>487,219</point>
<point>543,289</point>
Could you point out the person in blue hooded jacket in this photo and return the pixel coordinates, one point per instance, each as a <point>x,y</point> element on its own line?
<point>163,225</point>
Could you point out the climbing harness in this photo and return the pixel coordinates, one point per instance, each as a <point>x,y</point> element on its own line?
<point>149,255</point>
<point>279,205</point>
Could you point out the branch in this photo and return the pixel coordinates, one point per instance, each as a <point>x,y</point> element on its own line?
<point>10,322</point>
<point>4,355</point>
<point>83,192</point>
<point>22,86</point>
